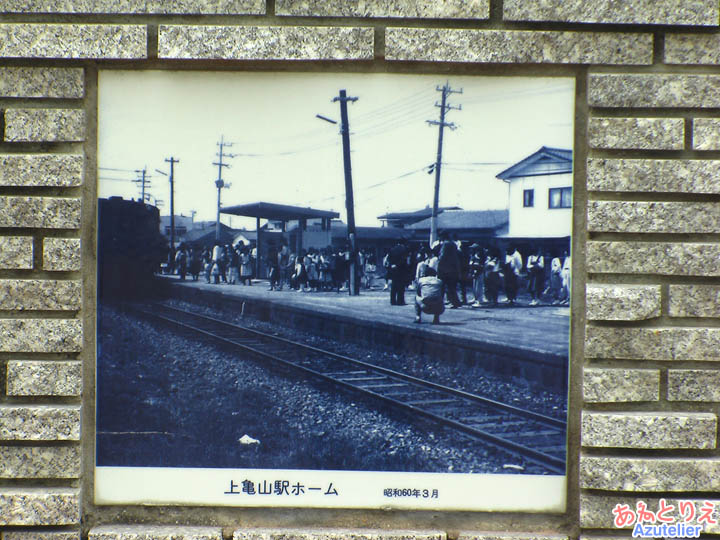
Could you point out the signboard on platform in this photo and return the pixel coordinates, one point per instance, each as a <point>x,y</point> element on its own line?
<point>333,290</point>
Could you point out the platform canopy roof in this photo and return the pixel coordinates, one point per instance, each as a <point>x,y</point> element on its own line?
<point>279,212</point>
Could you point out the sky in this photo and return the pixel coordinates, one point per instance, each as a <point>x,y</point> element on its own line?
<point>284,154</point>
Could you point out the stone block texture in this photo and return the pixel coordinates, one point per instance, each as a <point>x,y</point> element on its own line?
<point>596,510</point>
<point>653,175</point>
<point>44,378</point>
<point>35,294</point>
<point>266,42</point>
<point>62,254</point>
<point>649,430</point>
<point>41,170</point>
<point>411,9</point>
<point>622,302</point>
<point>39,423</point>
<point>39,506</point>
<point>667,12</point>
<point>637,133</point>
<point>40,212</point>
<point>694,301</point>
<point>653,217</point>
<point>706,134</point>
<point>180,7</point>
<point>509,536</point>
<point>335,534</point>
<point>154,532</point>
<point>615,385</point>
<point>505,46</point>
<point>34,462</point>
<point>653,90</point>
<point>73,41</point>
<point>692,49</point>
<point>664,258</point>
<point>696,343</point>
<point>27,82</point>
<point>693,385</point>
<point>16,252</point>
<point>41,535</point>
<point>40,335</point>
<point>649,474</point>
<point>40,125</point>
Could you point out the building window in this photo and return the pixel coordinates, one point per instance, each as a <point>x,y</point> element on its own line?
<point>560,197</point>
<point>528,198</point>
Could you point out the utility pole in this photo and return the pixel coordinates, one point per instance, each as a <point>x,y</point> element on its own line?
<point>354,289</point>
<point>172,161</point>
<point>219,183</point>
<point>143,180</point>
<point>444,107</point>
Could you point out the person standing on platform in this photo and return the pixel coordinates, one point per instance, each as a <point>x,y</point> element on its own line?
<point>511,269</point>
<point>476,271</point>
<point>397,272</point>
<point>536,270</point>
<point>273,269</point>
<point>449,269</point>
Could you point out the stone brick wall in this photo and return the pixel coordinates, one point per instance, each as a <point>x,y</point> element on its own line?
<point>646,257</point>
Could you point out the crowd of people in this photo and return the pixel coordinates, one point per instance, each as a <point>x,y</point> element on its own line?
<point>449,272</point>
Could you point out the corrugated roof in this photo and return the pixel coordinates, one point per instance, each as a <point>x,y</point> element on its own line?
<point>467,219</point>
<point>274,211</point>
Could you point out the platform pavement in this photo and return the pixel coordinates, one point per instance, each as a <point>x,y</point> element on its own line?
<point>544,329</point>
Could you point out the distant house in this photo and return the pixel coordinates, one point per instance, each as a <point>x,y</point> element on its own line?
<point>467,225</point>
<point>403,219</point>
<point>540,194</point>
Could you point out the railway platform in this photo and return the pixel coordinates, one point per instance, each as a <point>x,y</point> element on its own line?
<point>521,340</point>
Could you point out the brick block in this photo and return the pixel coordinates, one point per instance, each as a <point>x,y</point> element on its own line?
<point>513,46</point>
<point>622,302</point>
<point>601,385</point>
<point>33,462</point>
<point>154,532</point>
<point>649,430</point>
<point>16,252</point>
<point>41,535</point>
<point>694,301</point>
<point>44,378</point>
<point>653,90</point>
<point>653,217</point>
<point>62,254</point>
<point>666,12</point>
<point>39,506</point>
<point>637,133</point>
<point>266,42</point>
<point>40,125</point>
<point>665,344</point>
<point>40,423</point>
<point>411,9</point>
<point>40,335</point>
<point>596,510</point>
<point>29,82</point>
<point>653,175</point>
<point>706,134</point>
<point>41,170</point>
<point>693,385</point>
<point>162,7</point>
<point>692,49</point>
<point>41,212</point>
<point>653,475</point>
<point>34,294</point>
<point>73,41</point>
<point>335,534</point>
<point>665,258</point>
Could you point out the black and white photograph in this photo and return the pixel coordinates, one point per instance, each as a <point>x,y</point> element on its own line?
<point>333,290</point>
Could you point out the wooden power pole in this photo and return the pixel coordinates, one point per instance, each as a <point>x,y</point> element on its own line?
<point>354,289</point>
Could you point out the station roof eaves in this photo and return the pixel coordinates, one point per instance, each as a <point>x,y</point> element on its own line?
<point>282,212</point>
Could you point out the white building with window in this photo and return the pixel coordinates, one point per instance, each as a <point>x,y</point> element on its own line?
<point>540,194</point>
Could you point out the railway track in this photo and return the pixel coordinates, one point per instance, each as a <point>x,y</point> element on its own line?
<point>536,437</point>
